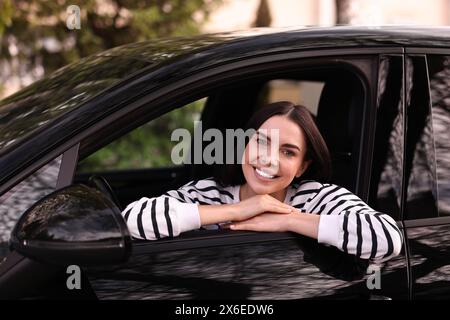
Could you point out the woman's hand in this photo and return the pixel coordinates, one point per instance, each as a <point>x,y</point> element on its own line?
<point>257,205</point>
<point>298,222</point>
<point>253,206</point>
<point>268,222</point>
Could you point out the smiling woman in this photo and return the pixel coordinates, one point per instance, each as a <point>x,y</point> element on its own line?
<point>281,189</point>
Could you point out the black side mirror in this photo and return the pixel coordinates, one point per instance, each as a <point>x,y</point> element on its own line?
<point>74,225</point>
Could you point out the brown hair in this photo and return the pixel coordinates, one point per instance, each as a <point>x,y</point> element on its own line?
<point>316,148</point>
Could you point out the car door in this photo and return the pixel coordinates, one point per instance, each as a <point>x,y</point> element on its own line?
<point>387,162</point>
<point>223,264</point>
<point>14,202</point>
<point>427,172</point>
<point>22,277</point>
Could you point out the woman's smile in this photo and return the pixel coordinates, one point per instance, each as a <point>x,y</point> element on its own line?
<point>272,161</point>
<point>264,175</point>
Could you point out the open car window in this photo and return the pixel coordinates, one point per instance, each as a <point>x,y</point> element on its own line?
<point>148,146</point>
<point>137,164</point>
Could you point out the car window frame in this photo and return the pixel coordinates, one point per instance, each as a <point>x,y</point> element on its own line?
<point>74,146</point>
<point>190,239</point>
<point>65,172</point>
<point>141,100</point>
<point>167,91</point>
<point>425,51</point>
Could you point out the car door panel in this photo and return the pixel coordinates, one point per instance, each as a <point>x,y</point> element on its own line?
<point>430,260</point>
<point>287,269</point>
<point>130,185</point>
<point>426,204</point>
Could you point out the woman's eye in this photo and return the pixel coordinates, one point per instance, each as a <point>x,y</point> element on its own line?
<point>288,153</point>
<point>261,141</point>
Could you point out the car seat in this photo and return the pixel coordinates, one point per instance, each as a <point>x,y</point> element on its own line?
<point>339,119</point>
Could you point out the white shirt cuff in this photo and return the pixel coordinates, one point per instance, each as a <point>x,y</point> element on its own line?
<point>329,229</point>
<point>188,217</point>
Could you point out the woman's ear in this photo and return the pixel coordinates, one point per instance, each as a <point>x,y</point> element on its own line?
<point>303,168</point>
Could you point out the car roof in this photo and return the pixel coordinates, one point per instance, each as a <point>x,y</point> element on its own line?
<point>37,107</point>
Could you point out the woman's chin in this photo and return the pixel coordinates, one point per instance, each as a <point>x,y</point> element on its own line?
<point>260,188</point>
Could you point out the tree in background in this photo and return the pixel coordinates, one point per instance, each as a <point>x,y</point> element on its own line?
<point>343,14</point>
<point>352,12</point>
<point>263,16</point>
<point>35,40</point>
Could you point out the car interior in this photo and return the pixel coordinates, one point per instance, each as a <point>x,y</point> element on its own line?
<point>337,95</point>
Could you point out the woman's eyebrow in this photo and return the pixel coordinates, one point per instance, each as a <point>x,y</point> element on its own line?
<point>264,135</point>
<point>293,146</point>
<point>288,145</point>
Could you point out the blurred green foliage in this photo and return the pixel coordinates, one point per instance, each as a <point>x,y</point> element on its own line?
<point>38,27</point>
<point>148,146</point>
<point>34,33</point>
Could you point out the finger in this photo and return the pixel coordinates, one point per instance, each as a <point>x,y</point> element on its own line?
<point>269,213</point>
<point>276,200</point>
<point>281,204</point>
<point>225,225</point>
<point>242,226</point>
<point>281,209</point>
<point>235,226</point>
<point>271,203</point>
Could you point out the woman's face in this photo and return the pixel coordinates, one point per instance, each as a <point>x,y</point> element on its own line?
<point>274,156</point>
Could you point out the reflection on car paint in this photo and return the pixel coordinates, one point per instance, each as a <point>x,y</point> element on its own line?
<point>278,270</point>
<point>440,99</point>
<point>14,202</point>
<point>430,261</point>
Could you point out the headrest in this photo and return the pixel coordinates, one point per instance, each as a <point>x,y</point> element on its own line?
<point>339,111</point>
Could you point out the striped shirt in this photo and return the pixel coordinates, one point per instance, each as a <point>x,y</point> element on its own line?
<point>346,222</point>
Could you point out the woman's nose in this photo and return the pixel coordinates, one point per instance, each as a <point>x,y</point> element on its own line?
<point>271,162</point>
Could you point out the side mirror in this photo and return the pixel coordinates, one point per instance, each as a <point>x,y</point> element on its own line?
<point>74,225</point>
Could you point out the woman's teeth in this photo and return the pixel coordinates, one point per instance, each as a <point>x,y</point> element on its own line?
<point>264,174</point>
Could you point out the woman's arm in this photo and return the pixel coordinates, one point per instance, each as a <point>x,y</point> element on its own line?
<point>339,218</point>
<point>174,212</point>
<point>349,224</point>
<point>159,217</point>
<point>298,222</point>
<point>243,210</point>
<point>212,214</point>
<point>192,206</point>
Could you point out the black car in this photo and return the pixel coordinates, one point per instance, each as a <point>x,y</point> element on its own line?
<point>380,96</point>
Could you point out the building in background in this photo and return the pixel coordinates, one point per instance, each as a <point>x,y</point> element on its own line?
<point>240,14</point>
<point>243,14</point>
<point>227,15</point>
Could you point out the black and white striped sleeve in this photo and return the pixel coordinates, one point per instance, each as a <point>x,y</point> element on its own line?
<point>174,212</point>
<point>349,224</point>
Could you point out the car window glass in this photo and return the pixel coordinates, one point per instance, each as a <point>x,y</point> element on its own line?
<point>14,202</point>
<point>148,146</point>
<point>386,177</point>
<point>439,77</point>
<point>306,93</point>
<point>334,96</point>
<point>420,162</point>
